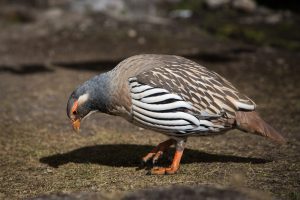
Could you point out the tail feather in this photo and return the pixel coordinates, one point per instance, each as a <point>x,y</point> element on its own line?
<point>251,122</point>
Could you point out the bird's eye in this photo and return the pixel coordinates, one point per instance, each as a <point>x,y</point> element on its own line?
<point>74,112</point>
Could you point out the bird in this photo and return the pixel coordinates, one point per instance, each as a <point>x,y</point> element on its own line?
<point>171,95</point>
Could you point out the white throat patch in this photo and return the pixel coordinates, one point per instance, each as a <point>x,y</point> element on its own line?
<point>83,98</point>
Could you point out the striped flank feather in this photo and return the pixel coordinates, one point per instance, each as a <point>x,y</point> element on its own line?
<point>168,112</point>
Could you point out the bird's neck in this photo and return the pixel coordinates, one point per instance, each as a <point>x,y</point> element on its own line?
<point>100,92</point>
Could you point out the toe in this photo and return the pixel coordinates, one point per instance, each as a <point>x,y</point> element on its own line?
<point>171,171</point>
<point>158,171</point>
<point>156,157</point>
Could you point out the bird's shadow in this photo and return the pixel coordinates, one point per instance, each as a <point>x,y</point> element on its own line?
<point>129,155</point>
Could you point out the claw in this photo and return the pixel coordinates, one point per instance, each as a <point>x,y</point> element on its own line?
<point>170,171</point>
<point>156,157</point>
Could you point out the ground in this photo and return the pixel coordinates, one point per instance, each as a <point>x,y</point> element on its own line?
<point>40,154</point>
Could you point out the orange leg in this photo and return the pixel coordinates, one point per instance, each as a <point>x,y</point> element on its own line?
<point>158,151</point>
<point>175,163</point>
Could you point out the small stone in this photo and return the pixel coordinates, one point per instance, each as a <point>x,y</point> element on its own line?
<point>141,40</point>
<point>184,13</point>
<point>54,13</point>
<point>273,19</point>
<point>280,61</point>
<point>213,4</point>
<point>244,5</point>
<point>132,33</point>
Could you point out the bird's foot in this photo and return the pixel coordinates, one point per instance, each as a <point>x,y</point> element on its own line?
<point>174,166</point>
<point>163,170</point>
<point>150,160</point>
<point>155,154</point>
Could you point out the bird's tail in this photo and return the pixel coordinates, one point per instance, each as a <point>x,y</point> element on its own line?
<point>251,122</point>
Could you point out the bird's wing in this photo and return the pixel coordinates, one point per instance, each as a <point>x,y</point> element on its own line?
<point>207,92</point>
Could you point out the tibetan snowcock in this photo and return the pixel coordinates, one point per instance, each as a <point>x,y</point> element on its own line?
<point>170,95</point>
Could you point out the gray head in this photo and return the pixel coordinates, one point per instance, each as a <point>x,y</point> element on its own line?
<point>88,98</point>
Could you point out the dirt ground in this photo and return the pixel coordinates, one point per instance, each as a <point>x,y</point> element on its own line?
<point>40,154</point>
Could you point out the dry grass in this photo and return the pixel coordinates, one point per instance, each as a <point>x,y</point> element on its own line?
<point>40,154</point>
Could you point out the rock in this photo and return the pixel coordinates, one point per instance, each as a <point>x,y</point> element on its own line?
<point>53,14</point>
<point>213,4</point>
<point>106,6</point>
<point>180,192</point>
<point>182,13</point>
<point>141,40</point>
<point>244,5</point>
<point>274,18</point>
<point>131,33</point>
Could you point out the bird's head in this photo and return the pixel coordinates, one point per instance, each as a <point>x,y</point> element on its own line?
<point>86,99</point>
<point>78,108</point>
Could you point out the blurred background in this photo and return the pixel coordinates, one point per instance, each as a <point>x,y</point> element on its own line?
<point>48,47</point>
<point>51,31</point>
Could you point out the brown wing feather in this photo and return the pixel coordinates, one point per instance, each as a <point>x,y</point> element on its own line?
<point>205,90</point>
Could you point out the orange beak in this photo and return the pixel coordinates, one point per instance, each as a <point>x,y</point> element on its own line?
<point>76,125</point>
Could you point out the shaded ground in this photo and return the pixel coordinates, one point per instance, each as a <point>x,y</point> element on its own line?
<point>39,153</point>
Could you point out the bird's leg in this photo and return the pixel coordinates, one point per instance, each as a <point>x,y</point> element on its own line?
<point>158,151</point>
<point>175,163</point>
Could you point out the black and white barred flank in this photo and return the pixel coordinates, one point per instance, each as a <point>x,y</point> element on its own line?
<point>161,110</point>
